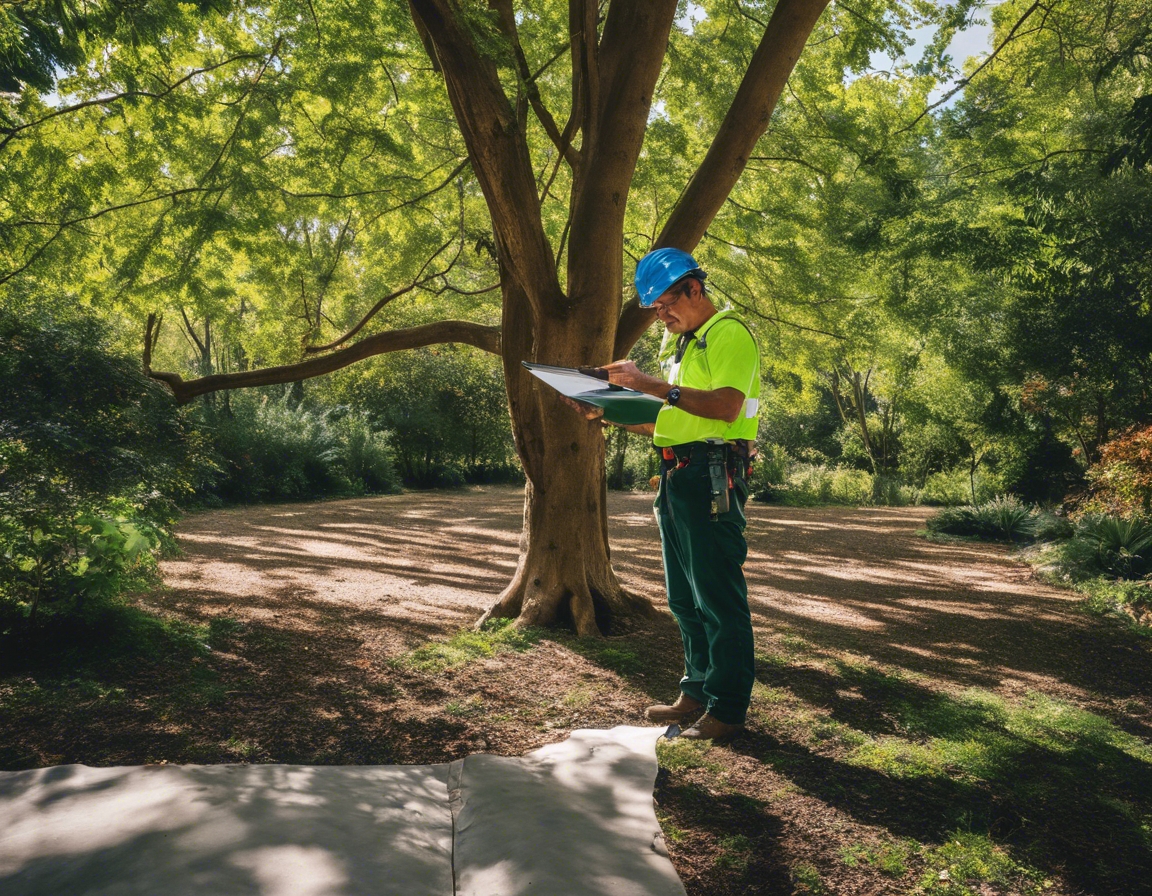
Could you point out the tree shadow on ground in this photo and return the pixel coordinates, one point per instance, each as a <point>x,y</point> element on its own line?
<point>714,817</point>
<point>87,687</point>
<point>1061,786</point>
<point>964,615</point>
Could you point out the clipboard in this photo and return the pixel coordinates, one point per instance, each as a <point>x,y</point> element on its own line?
<point>590,385</point>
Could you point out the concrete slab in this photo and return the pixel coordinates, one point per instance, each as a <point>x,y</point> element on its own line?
<point>570,819</point>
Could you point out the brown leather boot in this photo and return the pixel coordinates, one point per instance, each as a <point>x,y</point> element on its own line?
<point>711,728</point>
<point>682,710</point>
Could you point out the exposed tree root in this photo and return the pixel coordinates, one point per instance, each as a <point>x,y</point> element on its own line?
<point>552,599</point>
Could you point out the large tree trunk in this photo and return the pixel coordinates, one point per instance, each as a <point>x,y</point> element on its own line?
<point>565,574</point>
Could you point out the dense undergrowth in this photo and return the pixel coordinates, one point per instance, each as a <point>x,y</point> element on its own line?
<point>96,462</point>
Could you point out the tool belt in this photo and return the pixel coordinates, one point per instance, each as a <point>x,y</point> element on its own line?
<point>726,461</point>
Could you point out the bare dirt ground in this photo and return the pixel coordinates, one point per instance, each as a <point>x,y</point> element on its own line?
<point>862,627</point>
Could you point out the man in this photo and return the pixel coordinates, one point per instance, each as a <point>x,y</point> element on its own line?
<point>705,433</point>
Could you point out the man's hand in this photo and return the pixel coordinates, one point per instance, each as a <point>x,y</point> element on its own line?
<point>628,375</point>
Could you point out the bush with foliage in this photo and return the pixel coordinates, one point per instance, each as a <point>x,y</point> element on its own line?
<point>954,487</point>
<point>92,452</point>
<point>1115,546</point>
<point>446,410</point>
<point>1109,560</point>
<point>1121,482</point>
<point>811,484</point>
<point>770,474</point>
<point>1004,518</point>
<point>269,447</point>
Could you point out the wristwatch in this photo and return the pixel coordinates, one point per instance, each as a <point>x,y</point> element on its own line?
<point>673,396</point>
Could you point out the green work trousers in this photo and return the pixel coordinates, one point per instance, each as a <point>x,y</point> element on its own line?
<point>703,570</point>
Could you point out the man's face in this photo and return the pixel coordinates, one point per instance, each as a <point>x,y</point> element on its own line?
<point>677,311</point>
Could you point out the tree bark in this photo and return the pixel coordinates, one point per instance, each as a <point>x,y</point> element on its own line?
<point>564,575</point>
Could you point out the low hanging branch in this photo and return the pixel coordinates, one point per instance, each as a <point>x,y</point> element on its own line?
<point>466,332</point>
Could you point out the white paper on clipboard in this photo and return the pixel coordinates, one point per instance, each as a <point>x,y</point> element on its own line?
<point>570,381</point>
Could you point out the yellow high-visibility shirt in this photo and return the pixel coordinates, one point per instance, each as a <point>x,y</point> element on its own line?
<point>722,354</point>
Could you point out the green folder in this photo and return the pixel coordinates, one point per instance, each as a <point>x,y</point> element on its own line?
<point>589,384</point>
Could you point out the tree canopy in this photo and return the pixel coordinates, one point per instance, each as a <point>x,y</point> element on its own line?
<point>948,257</point>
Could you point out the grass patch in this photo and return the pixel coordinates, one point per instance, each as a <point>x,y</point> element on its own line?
<point>735,853</point>
<point>891,859</point>
<point>606,654</point>
<point>468,646</point>
<point>222,629</point>
<point>807,881</point>
<point>679,754</point>
<point>672,833</point>
<point>579,698</point>
<point>981,735</point>
<point>968,863</point>
<point>464,708</point>
<point>245,749</point>
<point>1021,778</point>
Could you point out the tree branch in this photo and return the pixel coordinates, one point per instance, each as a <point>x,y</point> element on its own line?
<point>744,124</point>
<point>794,161</point>
<point>630,55</point>
<point>466,332</point>
<point>192,331</point>
<point>11,132</point>
<point>498,149</point>
<point>354,194</point>
<point>508,24</point>
<point>404,290</point>
<point>964,82</point>
<point>151,337</point>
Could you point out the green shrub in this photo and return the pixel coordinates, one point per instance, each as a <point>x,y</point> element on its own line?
<point>770,473</point>
<point>890,491</point>
<point>1004,518</point>
<point>91,454</point>
<point>94,555</point>
<point>1118,546</point>
<point>365,455</point>
<point>271,449</point>
<point>807,485</point>
<point>954,487</point>
<point>851,487</point>
<point>1050,527</point>
<point>446,411</point>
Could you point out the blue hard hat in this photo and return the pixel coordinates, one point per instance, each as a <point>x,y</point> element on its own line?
<point>659,270</point>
